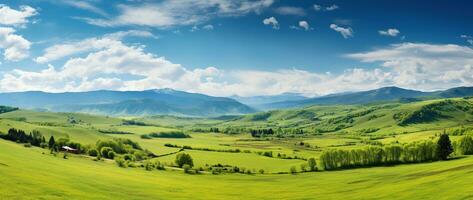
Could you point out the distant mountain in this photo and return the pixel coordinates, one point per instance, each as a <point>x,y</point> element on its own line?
<point>261,102</point>
<point>148,102</point>
<point>377,95</point>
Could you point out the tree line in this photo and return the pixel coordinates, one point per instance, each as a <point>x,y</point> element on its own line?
<point>424,151</point>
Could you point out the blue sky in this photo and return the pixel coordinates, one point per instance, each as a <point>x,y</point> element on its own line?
<point>223,47</point>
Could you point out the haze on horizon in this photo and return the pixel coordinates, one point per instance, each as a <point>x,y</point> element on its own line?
<point>224,47</point>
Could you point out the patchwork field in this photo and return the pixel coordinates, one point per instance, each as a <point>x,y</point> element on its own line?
<point>43,176</point>
<point>271,166</point>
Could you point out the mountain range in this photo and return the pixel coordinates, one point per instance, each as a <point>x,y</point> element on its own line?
<point>148,102</point>
<point>178,103</point>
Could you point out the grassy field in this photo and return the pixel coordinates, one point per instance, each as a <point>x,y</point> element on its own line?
<point>79,177</point>
<point>27,173</point>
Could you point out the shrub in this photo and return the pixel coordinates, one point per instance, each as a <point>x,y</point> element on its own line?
<point>93,152</point>
<point>145,136</point>
<point>293,170</point>
<point>104,151</point>
<point>160,166</point>
<point>43,145</point>
<point>111,155</point>
<point>149,166</point>
<point>312,164</point>
<point>129,157</point>
<point>261,171</point>
<point>303,167</point>
<point>184,158</point>
<point>121,162</point>
<point>186,168</point>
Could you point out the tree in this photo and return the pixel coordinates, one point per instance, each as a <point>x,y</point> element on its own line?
<point>444,147</point>
<point>184,158</point>
<point>312,164</point>
<point>51,142</point>
<point>92,152</point>
<point>105,152</point>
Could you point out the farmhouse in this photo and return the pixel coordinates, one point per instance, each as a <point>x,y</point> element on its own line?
<point>69,149</point>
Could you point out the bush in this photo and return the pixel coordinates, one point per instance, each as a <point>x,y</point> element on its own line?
<point>111,155</point>
<point>184,158</point>
<point>43,145</point>
<point>104,151</point>
<point>261,171</point>
<point>129,157</point>
<point>149,166</point>
<point>93,152</point>
<point>121,162</point>
<point>293,170</point>
<point>186,168</point>
<point>304,167</point>
<point>160,166</point>
<point>312,164</point>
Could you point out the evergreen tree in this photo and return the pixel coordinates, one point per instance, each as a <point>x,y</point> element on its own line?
<point>444,147</point>
<point>51,142</point>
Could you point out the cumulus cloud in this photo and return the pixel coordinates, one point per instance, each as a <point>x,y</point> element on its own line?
<point>169,13</point>
<point>12,17</point>
<point>424,66</point>
<point>305,25</point>
<point>271,21</point>
<point>14,46</point>
<point>288,10</point>
<point>346,32</point>
<point>71,48</point>
<point>317,7</point>
<point>331,8</point>
<point>118,66</point>
<point>390,32</point>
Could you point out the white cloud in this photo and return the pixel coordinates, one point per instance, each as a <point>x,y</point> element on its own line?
<point>170,13</point>
<point>15,47</point>
<point>288,10</point>
<point>390,32</point>
<point>332,7</point>
<point>305,25</point>
<point>208,27</point>
<point>424,66</point>
<point>67,49</point>
<point>85,5</point>
<point>317,7</point>
<point>468,39</point>
<point>12,17</point>
<point>271,21</point>
<point>119,66</point>
<point>346,32</point>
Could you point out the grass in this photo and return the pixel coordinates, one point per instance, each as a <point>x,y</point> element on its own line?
<point>42,176</point>
<point>35,174</point>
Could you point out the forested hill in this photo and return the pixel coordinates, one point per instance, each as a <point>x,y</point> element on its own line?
<point>161,101</point>
<point>5,109</point>
<point>377,95</point>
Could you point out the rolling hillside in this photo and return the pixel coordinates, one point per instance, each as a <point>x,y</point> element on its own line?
<point>377,95</point>
<point>152,102</point>
<point>384,119</point>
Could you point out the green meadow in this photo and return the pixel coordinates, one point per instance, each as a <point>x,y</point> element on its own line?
<point>239,157</point>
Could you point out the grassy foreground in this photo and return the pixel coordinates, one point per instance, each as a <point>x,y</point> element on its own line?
<point>27,173</point>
